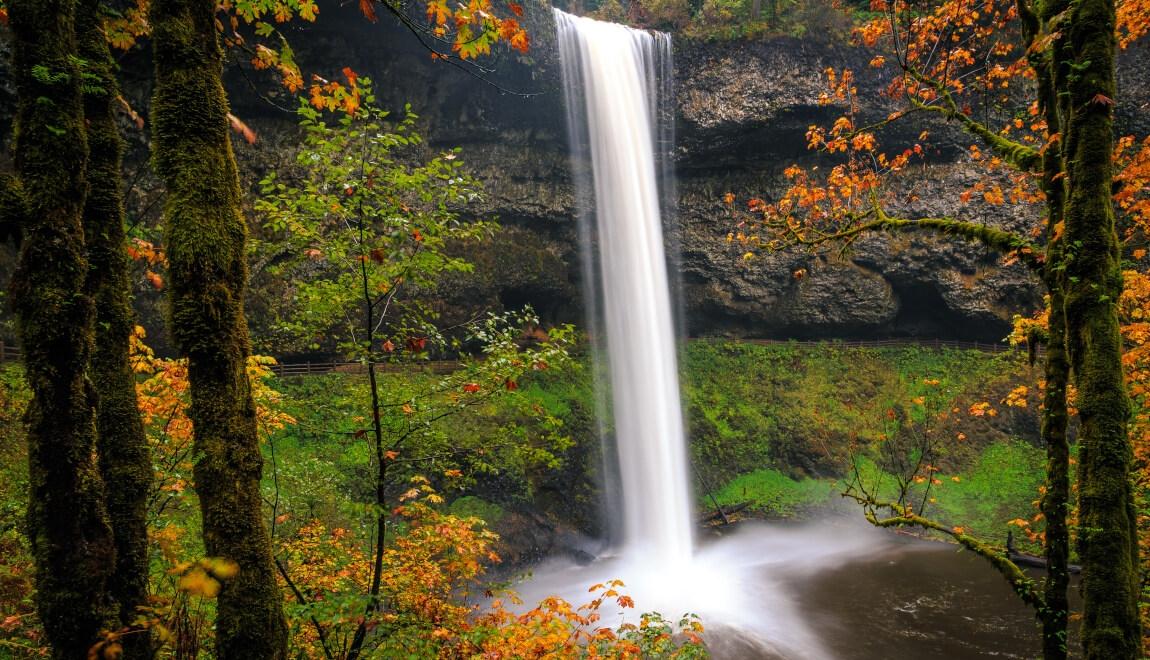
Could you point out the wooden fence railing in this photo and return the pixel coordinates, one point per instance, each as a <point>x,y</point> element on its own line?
<point>314,368</point>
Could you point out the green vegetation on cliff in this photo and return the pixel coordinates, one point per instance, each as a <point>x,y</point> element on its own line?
<point>776,425</point>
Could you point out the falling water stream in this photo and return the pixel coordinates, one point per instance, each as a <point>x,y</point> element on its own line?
<point>616,63</point>
<point>753,588</point>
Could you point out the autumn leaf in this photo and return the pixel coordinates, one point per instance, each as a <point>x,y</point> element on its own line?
<point>154,279</point>
<point>367,7</point>
<point>243,129</point>
<point>1102,99</point>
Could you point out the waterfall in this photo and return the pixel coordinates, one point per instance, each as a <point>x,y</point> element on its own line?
<point>616,112</point>
<point>617,84</point>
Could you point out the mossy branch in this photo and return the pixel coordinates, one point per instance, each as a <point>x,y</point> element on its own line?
<point>876,220</point>
<point>1021,156</point>
<point>1022,584</point>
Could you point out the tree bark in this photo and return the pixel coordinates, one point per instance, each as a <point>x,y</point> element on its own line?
<point>1107,533</point>
<point>125,458</point>
<point>1056,500</point>
<point>206,238</point>
<point>67,523</point>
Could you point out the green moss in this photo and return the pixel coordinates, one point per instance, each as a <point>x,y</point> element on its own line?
<point>475,507</point>
<point>67,524</point>
<point>775,495</point>
<point>207,279</point>
<point>1107,538</point>
<point>125,458</point>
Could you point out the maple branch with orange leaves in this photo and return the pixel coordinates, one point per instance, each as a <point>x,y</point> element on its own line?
<point>1020,155</point>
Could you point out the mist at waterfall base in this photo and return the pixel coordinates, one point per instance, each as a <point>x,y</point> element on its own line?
<point>753,587</point>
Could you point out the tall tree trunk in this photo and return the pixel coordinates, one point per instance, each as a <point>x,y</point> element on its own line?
<point>125,458</point>
<point>1055,503</point>
<point>67,523</point>
<point>206,239</point>
<point>1107,532</point>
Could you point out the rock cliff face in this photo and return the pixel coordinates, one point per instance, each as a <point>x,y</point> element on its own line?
<point>743,109</point>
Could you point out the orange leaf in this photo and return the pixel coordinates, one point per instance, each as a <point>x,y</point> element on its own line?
<point>243,129</point>
<point>368,9</point>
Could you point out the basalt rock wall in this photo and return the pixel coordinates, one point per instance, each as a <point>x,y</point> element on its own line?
<point>742,111</point>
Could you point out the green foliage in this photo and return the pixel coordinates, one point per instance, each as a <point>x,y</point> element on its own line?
<point>20,635</point>
<point>1001,485</point>
<point>775,495</point>
<point>799,409</point>
<point>363,215</point>
<point>470,506</point>
<point>467,431</point>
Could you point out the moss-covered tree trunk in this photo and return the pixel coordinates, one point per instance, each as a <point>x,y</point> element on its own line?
<point>67,524</point>
<point>1055,503</point>
<point>205,240</point>
<point>125,459</point>
<point>1107,532</point>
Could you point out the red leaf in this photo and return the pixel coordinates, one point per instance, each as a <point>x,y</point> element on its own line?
<point>1102,99</point>
<point>348,73</point>
<point>471,388</point>
<point>515,8</point>
<point>242,128</point>
<point>368,9</point>
<point>510,385</point>
<point>388,346</point>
